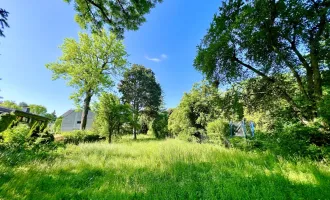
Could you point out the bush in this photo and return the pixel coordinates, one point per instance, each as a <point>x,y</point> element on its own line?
<point>291,140</point>
<point>219,127</point>
<point>78,136</point>
<point>18,134</point>
<point>36,128</point>
<point>56,128</point>
<point>5,120</point>
<point>159,126</point>
<point>300,140</point>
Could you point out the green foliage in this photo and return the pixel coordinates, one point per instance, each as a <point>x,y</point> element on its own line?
<point>6,120</point>
<point>118,15</point>
<point>10,104</point>
<point>324,111</point>
<point>111,115</point>
<point>198,107</point>
<point>140,89</point>
<point>159,126</point>
<point>16,135</point>
<point>36,128</point>
<point>218,127</point>
<point>128,170</point>
<point>89,66</point>
<point>3,21</point>
<point>57,125</point>
<point>299,140</point>
<point>38,109</point>
<point>267,39</point>
<point>80,136</point>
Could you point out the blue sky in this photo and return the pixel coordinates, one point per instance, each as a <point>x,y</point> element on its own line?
<point>166,43</point>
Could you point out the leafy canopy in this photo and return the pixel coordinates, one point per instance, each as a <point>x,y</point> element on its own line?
<point>3,21</point>
<point>267,39</point>
<point>140,89</point>
<point>117,14</point>
<point>38,109</point>
<point>111,115</point>
<point>90,64</point>
<point>10,104</point>
<point>198,107</point>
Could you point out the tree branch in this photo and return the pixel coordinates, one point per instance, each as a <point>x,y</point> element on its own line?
<point>102,11</point>
<point>254,70</point>
<point>283,93</point>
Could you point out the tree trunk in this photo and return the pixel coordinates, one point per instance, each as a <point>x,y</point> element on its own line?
<point>317,77</point>
<point>134,133</point>
<point>135,116</point>
<point>87,101</point>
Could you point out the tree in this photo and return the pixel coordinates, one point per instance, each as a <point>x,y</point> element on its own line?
<point>159,125</point>
<point>198,107</point>
<point>38,109</point>
<point>10,104</point>
<point>140,89</point>
<point>111,114</point>
<point>52,116</point>
<point>23,104</point>
<point>3,21</point>
<point>89,66</point>
<point>118,14</point>
<point>268,38</point>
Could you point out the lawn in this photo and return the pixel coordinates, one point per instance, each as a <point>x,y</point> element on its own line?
<point>168,169</point>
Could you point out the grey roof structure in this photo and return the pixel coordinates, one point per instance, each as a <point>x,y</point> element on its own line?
<point>22,113</point>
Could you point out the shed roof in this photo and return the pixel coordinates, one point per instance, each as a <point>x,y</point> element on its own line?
<point>22,113</point>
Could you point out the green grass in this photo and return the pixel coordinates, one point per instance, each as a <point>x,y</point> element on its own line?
<point>169,169</point>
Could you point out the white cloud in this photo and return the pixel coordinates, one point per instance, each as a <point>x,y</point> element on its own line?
<point>161,58</point>
<point>153,59</point>
<point>164,56</point>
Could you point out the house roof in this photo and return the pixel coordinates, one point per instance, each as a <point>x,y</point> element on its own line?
<point>5,110</point>
<point>67,113</point>
<point>22,113</point>
<point>71,111</point>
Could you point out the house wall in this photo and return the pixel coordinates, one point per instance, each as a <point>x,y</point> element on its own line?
<point>71,121</point>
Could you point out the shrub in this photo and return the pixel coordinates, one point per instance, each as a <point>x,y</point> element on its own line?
<point>159,126</point>
<point>5,120</point>
<point>44,138</point>
<point>300,140</point>
<point>36,128</point>
<point>18,134</point>
<point>78,136</point>
<point>57,125</point>
<point>219,127</point>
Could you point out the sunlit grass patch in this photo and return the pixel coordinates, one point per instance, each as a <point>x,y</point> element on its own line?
<point>163,169</point>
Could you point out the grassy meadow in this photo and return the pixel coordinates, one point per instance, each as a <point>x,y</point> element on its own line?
<point>160,169</point>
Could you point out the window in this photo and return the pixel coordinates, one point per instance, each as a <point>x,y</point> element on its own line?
<point>78,122</point>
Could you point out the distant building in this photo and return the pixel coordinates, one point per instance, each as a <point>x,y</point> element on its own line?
<point>24,115</point>
<point>72,120</point>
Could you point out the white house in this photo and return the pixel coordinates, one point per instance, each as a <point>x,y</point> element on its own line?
<point>72,120</point>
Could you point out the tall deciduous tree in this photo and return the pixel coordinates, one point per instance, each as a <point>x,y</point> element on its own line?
<point>269,38</point>
<point>140,89</point>
<point>89,66</point>
<point>3,21</point>
<point>112,114</point>
<point>197,108</point>
<point>118,14</point>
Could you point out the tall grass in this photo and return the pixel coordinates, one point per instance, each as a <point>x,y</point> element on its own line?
<point>169,169</point>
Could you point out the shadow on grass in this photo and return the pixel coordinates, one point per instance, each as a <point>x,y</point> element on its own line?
<point>246,179</point>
